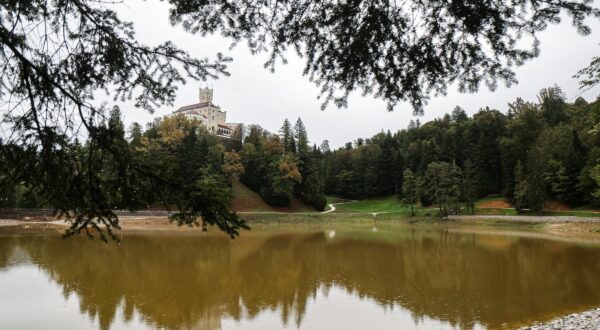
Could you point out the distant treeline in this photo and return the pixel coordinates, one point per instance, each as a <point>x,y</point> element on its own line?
<point>535,152</point>
<point>159,163</point>
<point>174,153</point>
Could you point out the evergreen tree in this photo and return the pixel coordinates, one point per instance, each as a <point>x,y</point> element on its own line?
<point>574,162</point>
<point>325,147</point>
<point>409,189</point>
<point>386,168</point>
<point>287,137</point>
<point>536,185</point>
<point>595,175</point>
<point>459,115</point>
<point>301,137</point>
<point>8,197</point>
<point>521,189</point>
<point>470,186</point>
<point>348,184</point>
<point>135,135</point>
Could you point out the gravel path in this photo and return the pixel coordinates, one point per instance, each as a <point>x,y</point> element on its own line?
<point>13,222</point>
<point>589,320</point>
<point>7,222</point>
<point>332,206</point>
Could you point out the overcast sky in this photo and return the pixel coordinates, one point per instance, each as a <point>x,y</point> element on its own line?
<point>252,94</point>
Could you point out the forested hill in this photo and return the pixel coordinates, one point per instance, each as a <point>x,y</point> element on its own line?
<point>549,149</point>
<point>535,152</point>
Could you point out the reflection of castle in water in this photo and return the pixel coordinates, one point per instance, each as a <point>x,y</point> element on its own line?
<point>193,281</point>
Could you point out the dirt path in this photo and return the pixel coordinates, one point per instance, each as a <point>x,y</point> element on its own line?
<point>332,206</point>
<point>7,222</point>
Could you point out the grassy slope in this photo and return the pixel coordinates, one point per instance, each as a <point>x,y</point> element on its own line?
<point>246,200</point>
<point>392,204</point>
<point>333,199</point>
<point>389,204</point>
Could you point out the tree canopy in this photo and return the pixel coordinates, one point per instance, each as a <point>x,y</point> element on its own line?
<point>534,153</point>
<point>399,50</point>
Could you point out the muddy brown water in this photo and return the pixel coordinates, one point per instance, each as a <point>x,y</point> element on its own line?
<point>344,277</point>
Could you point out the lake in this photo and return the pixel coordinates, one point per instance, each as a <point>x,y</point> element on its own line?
<point>289,277</point>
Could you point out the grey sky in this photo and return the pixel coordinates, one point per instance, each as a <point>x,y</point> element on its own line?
<point>253,94</point>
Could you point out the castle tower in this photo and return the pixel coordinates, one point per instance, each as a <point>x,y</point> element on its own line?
<point>206,95</point>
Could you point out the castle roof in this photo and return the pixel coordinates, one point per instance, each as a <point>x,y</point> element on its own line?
<point>224,126</point>
<point>196,106</point>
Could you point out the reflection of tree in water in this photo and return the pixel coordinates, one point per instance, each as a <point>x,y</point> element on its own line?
<point>170,281</point>
<point>6,248</point>
<point>193,281</point>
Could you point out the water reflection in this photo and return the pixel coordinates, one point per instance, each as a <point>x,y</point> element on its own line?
<point>196,281</point>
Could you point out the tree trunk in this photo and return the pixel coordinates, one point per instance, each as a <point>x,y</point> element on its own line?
<point>412,201</point>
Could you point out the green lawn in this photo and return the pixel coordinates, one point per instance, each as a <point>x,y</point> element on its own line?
<point>573,213</point>
<point>394,205</point>
<point>587,208</point>
<point>333,199</point>
<point>389,204</point>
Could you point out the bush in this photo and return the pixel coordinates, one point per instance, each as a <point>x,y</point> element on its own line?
<point>277,192</point>
<point>319,203</point>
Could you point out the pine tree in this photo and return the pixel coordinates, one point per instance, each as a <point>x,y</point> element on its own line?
<point>301,137</point>
<point>386,167</point>
<point>409,189</point>
<point>595,175</point>
<point>287,137</point>
<point>135,135</point>
<point>521,189</point>
<point>325,147</point>
<point>574,163</point>
<point>469,185</point>
<point>536,185</point>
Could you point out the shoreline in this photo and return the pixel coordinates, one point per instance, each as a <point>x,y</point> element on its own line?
<point>586,230</point>
<point>587,320</point>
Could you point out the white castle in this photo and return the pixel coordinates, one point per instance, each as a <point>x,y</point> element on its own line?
<point>209,114</point>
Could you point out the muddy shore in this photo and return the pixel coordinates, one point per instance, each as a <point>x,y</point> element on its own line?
<point>562,228</point>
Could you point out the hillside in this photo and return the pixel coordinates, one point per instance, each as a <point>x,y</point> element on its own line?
<point>494,205</point>
<point>246,200</point>
<point>389,204</point>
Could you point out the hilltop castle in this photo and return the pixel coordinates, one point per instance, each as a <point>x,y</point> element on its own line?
<point>209,114</point>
